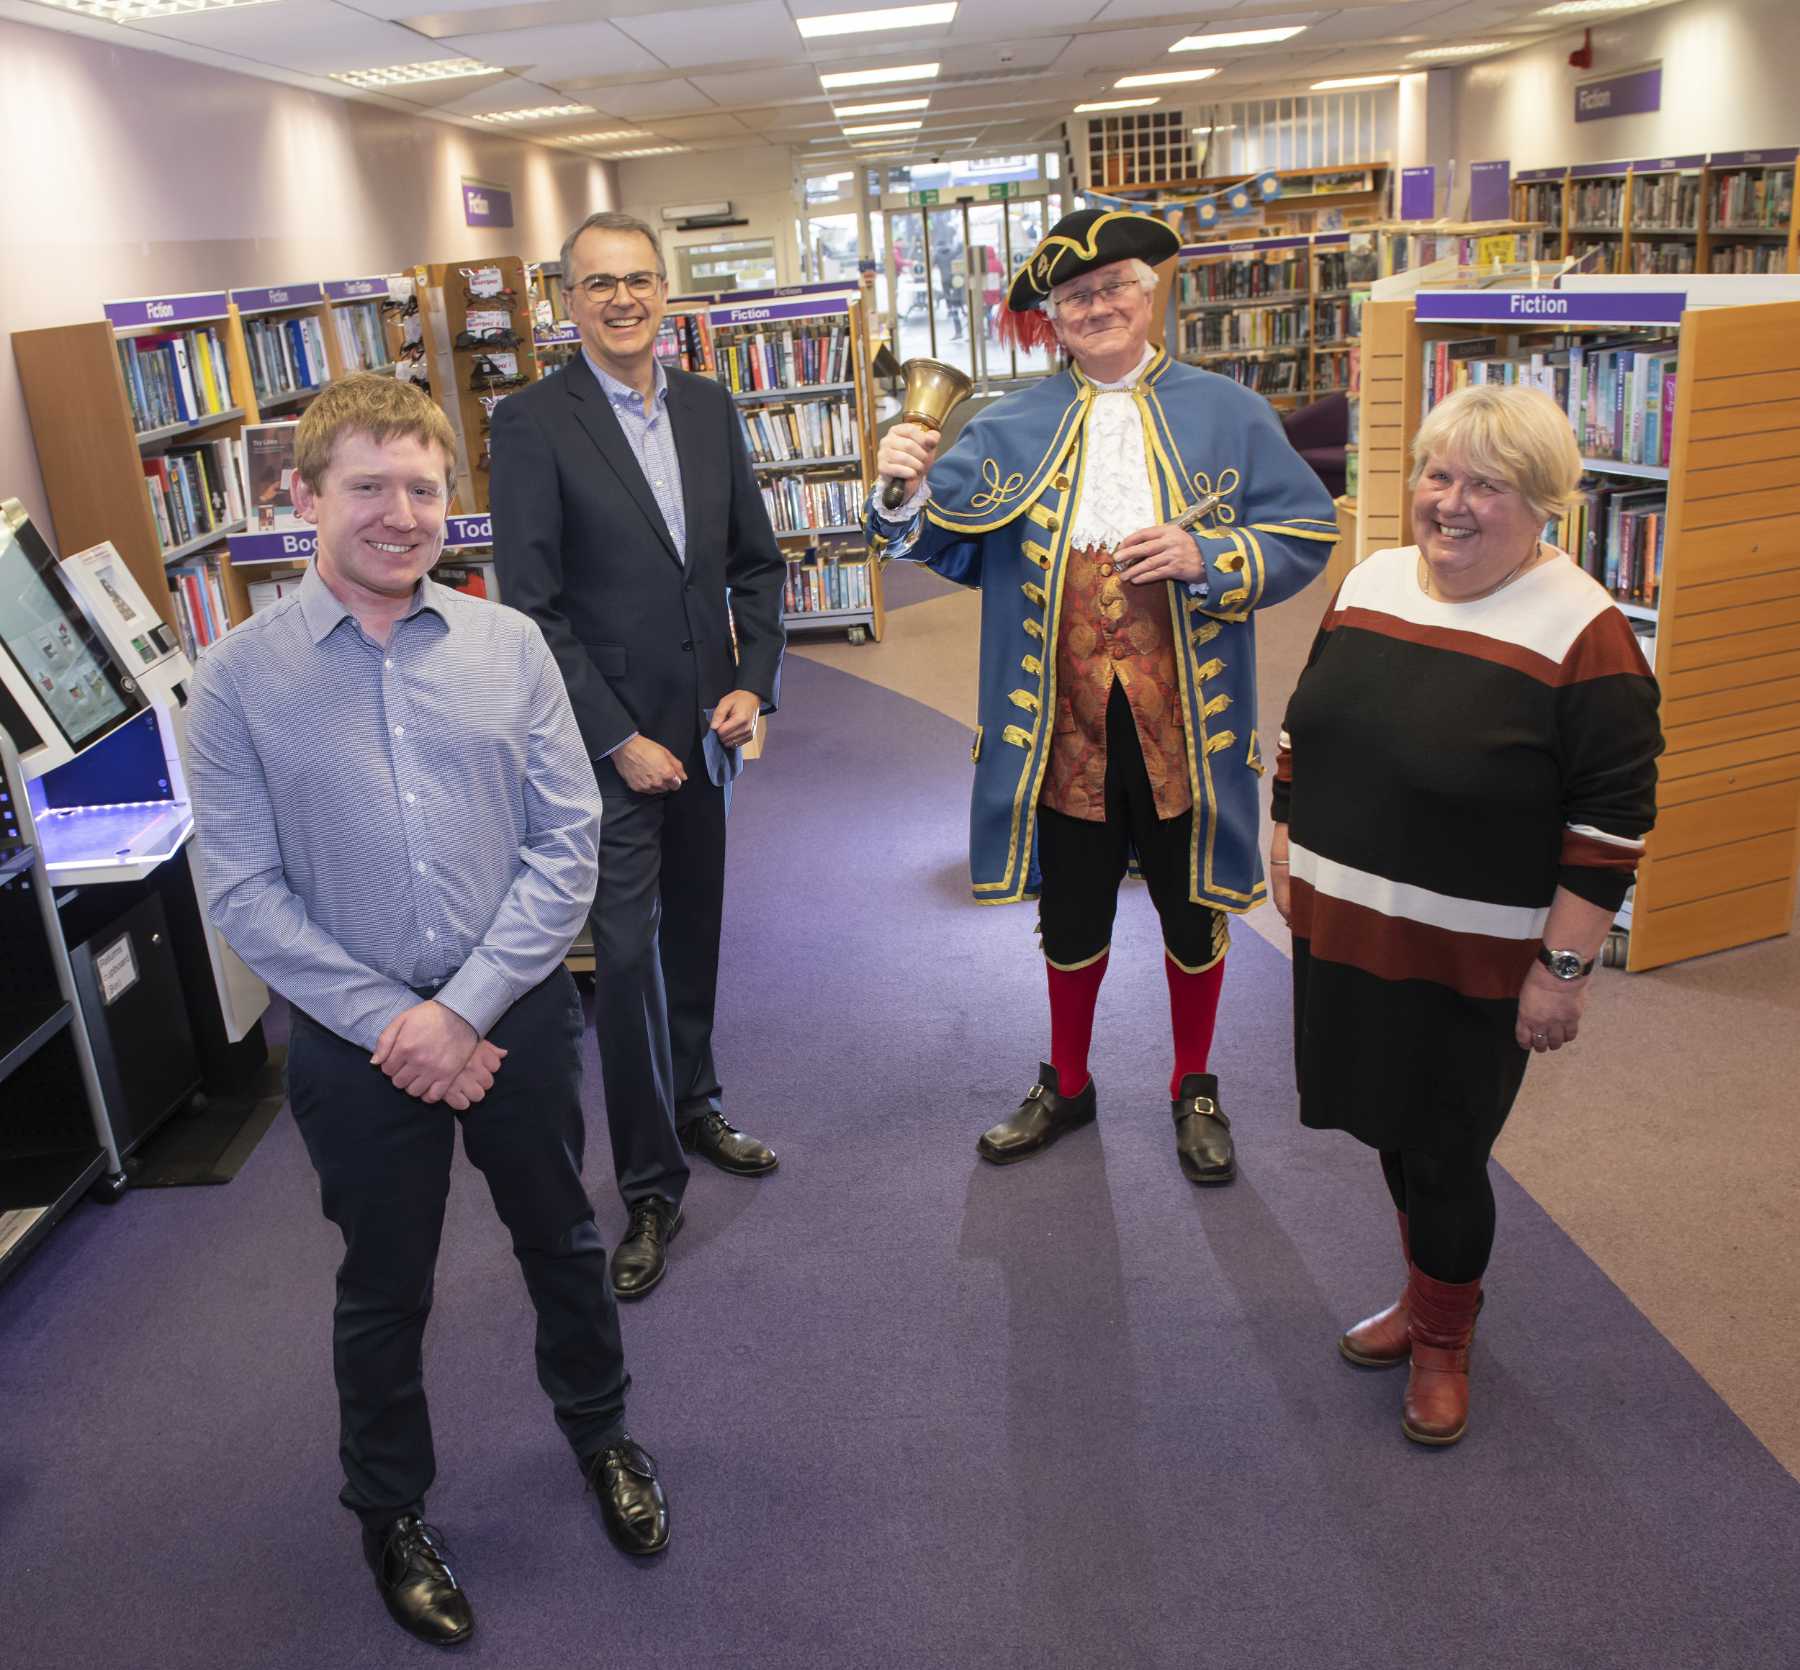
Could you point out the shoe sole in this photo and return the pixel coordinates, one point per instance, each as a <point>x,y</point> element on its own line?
<point>1429,1438</point>
<point>1212,1179</point>
<point>1361,1361</point>
<point>1018,1154</point>
<point>738,1171</point>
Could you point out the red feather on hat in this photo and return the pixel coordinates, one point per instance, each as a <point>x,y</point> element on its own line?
<point>1026,330</point>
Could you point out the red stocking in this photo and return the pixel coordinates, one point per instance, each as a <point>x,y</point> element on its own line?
<point>1193,1010</point>
<point>1073,993</point>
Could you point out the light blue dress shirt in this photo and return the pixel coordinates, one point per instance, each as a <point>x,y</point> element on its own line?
<point>374,818</point>
<point>652,442</point>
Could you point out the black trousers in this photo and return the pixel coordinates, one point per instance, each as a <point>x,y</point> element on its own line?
<point>1081,863</point>
<point>656,923</point>
<point>383,1160</point>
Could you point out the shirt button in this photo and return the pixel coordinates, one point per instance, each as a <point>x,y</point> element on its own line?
<point>410,797</point>
<point>389,663</point>
<point>399,730</point>
<point>431,933</point>
<point>420,866</point>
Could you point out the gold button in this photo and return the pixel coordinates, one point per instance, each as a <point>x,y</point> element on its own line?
<point>1121,652</point>
<point>1106,568</point>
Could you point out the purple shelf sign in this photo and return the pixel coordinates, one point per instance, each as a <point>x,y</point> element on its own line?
<point>1636,93</point>
<point>1489,191</point>
<point>1418,193</point>
<point>1550,307</point>
<point>486,205</point>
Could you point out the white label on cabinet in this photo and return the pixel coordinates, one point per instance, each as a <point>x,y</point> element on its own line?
<point>116,969</point>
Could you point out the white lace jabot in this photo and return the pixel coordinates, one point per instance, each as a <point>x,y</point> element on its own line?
<point>1115,489</point>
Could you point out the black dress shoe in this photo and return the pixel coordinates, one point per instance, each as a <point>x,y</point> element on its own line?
<point>1202,1132</point>
<point>640,1259</point>
<point>715,1138</point>
<point>631,1501</point>
<point>1042,1117</point>
<point>410,1562</point>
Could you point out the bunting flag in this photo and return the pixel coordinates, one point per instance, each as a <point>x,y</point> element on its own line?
<point>1237,200</point>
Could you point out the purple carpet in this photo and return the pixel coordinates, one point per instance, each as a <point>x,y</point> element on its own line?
<point>913,1411</point>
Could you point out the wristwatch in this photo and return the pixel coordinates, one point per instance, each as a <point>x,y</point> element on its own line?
<point>1565,965</point>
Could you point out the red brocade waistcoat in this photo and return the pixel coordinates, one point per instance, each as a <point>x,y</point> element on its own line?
<point>1113,631</point>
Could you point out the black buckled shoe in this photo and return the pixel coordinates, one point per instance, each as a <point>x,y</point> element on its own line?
<point>410,1561</point>
<point>1041,1118</point>
<point>632,1503</point>
<point>642,1256</point>
<point>713,1137</point>
<point>1202,1132</point>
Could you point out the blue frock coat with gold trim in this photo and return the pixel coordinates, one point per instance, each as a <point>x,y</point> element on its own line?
<point>1002,504</point>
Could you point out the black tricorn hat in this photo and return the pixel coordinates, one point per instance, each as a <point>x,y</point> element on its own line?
<point>1087,239</point>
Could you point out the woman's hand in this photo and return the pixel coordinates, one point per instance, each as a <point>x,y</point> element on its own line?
<point>1278,872</point>
<point>1549,1010</point>
<point>905,453</point>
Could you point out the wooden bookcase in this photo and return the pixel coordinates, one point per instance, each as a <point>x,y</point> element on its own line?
<point>1722,863</point>
<point>346,295</point>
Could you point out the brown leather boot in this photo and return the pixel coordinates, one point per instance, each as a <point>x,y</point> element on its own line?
<point>1436,1410</point>
<point>1384,1340</point>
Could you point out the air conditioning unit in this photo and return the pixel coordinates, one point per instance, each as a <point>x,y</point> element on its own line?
<point>697,214</point>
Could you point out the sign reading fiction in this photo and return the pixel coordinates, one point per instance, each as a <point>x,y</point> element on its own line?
<point>1635,93</point>
<point>1583,307</point>
<point>485,204</point>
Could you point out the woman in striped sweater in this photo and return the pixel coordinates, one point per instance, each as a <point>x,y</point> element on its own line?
<point>1466,777</point>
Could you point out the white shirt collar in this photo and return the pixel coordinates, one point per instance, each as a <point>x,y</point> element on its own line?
<point>1130,380</point>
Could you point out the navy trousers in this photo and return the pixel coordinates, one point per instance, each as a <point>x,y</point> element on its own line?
<point>383,1160</point>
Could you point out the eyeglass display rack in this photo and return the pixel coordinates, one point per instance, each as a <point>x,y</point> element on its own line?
<point>496,293</point>
<point>1723,863</point>
<point>1730,212</point>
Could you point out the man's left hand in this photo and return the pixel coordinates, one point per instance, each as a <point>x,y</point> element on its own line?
<point>1166,552</point>
<point>424,1049</point>
<point>734,719</point>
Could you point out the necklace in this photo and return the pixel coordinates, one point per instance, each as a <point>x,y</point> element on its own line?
<point>1499,585</point>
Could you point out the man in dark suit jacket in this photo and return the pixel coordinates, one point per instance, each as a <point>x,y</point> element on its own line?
<point>624,511</point>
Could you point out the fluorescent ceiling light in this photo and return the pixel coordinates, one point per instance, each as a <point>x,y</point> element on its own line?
<point>134,11</point>
<point>1222,127</point>
<point>1354,81</point>
<point>887,107</point>
<point>608,136</point>
<point>1574,8</point>
<point>884,127</point>
<point>1115,104</point>
<point>642,151</point>
<point>874,78</point>
<point>1163,76</point>
<point>1237,37</point>
<point>536,113</point>
<point>862,23</point>
<point>1474,51</point>
<point>402,75</point>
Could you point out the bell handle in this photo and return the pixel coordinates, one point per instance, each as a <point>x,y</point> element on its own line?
<point>894,494</point>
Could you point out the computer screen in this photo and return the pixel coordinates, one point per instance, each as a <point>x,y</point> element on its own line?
<point>60,669</point>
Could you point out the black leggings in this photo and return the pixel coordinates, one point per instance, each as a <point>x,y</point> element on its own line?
<point>1449,1206</point>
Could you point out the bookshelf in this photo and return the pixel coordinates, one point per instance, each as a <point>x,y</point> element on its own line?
<point>1747,223</point>
<point>1538,196</point>
<point>1595,209</point>
<point>1722,863</point>
<point>286,330</point>
<point>366,333</point>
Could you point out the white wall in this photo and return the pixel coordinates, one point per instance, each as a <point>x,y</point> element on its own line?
<point>1728,85</point>
<point>131,174</point>
<point>759,185</point>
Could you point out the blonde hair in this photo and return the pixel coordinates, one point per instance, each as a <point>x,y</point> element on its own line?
<point>1516,437</point>
<point>382,408</point>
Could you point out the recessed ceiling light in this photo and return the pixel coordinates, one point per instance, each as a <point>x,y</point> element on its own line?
<point>642,151</point>
<point>1574,8</point>
<point>862,23</point>
<point>1115,104</point>
<point>536,113</point>
<point>1474,51</point>
<point>1354,81</point>
<point>885,127</point>
<point>131,11</point>
<point>887,107</point>
<point>1237,37</point>
<point>1163,76</point>
<point>874,78</point>
<point>402,75</point>
<point>608,136</point>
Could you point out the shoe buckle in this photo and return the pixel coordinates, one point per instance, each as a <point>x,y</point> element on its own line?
<point>1206,1105</point>
<point>1035,1093</point>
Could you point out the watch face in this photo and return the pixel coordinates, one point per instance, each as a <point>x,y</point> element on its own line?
<point>1565,965</point>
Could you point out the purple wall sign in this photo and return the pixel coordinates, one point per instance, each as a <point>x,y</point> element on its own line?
<point>758,313</point>
<point>1490,196</point>
<point>1636,93</point>
<point>1550,307</point>
<point>463,531</point>
<point>276,296</point>
<point>460,534</point>
<point>486,205</point>
<point>162,312</point>
<point>1418,193</point>
<point>354,289</point>
<point>552,336</point>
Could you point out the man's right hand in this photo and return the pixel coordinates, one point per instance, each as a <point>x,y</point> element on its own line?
<point>905,453</point>
<point>648,767</point>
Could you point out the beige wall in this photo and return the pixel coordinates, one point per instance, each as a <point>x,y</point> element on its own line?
<point>1728,85</point>
<point>759,185</point>
<point>133,174</point>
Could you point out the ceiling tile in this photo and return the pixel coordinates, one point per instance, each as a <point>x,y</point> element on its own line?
<point>720,126</point>
<point>718,35</point>
<point>641,99</point>
<point>1004,57</point>
<point>762,86</point>
<point>562,50</point>
<point>1023,17</point>
<point>313,36</point>
<point>1128,51</point>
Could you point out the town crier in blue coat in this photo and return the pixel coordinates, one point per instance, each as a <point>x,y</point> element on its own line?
<point>1118,649</point>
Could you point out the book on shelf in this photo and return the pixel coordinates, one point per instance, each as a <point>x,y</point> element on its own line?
<point>266,592</point>
<point>1251,329</point>
<point>684,340</point>
<point>362,339</point>
<point>201,615</point>
<point>473,578</point>
<point>1614,529</point>
<point>778,433</point>
<point>828,583</point>
<point>800,503</point>
<point>194,490</point>
<point>1765,257</point>
<point>287,355</point>
<point>1266,376</point>
<point>1665,202</point>
<point>1752,199</point>
<point>1597,205</point>
<point>1662,256</point>
<point>268,453</point>
<point>751,358</point>
<point>1247,278</point>
<point>175,377</point>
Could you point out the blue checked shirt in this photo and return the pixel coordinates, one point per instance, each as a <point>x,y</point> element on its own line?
<point>374,818</point>
<point>652,443</point>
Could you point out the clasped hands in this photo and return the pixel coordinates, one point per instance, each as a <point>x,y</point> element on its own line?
<point>650,768</point>
<point>434,1054</point>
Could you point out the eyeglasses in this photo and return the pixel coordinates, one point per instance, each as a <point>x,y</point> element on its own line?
<point>490,298</point>
<point>1080,301</point>
<point>601,287</point>
<point>487,339</point>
